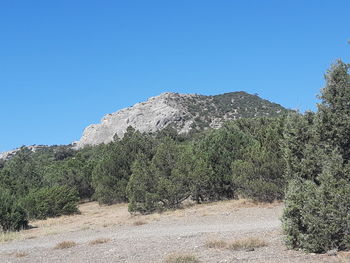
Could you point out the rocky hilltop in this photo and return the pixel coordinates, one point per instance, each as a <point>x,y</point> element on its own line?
<point>184,112</point>
<point>9,154</point>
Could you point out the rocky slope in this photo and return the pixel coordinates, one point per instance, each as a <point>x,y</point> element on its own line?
<point>9,154</point>
<point>182,111</point>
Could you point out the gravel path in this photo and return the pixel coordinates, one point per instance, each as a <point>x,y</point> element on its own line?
<point>155,240</point>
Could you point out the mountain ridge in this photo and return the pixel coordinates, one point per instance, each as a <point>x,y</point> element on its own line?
<point>185,112</point>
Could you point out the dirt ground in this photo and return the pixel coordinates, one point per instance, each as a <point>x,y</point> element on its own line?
<point>111,234</point>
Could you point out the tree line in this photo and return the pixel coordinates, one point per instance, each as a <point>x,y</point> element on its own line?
<point>152,172</point>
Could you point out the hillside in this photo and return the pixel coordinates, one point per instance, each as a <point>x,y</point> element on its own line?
<point>184,112</point>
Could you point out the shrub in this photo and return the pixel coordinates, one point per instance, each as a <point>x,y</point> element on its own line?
<point>12,215</point>
<point>51,202</point>
<point>259,175</point>
<point>317,217</point>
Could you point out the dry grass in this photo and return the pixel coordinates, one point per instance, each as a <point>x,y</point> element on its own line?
<point>94,216</point>
<point>8,236</point>
<point>99,241</point>
<point>21,254</point>
<point>139,223</point>
<point>216,244</point>
<point>65,244</point>
<point>181,258</point>
<point>211,209</point>
<point>250,243</point>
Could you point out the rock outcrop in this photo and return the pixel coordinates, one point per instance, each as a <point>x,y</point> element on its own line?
<point>9,154</point>
<point>182,111</point>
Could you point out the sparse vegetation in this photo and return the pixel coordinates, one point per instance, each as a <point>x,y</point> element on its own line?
<point>233,105</point>
<point>139,222</point>
<point>99,241</point>
<point>249,243</point>
<point>216,244</point>
<point>21,254</point>
<point>181,258</point>
<point>8,236</point>
<point>65,245</point>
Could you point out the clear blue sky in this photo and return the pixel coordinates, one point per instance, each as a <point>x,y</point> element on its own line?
<point>64,64</point>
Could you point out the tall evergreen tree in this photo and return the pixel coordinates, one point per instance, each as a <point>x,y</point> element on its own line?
<point>112,173</point>
<point>142,187</point>
<point>316,215</point>
<point>334,110</point>
<point>258,173</point>
<point>219,149</point>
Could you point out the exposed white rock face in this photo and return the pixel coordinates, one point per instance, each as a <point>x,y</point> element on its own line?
<point>183,111</point>
<point>8,155</point>
<point>150,116</point>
